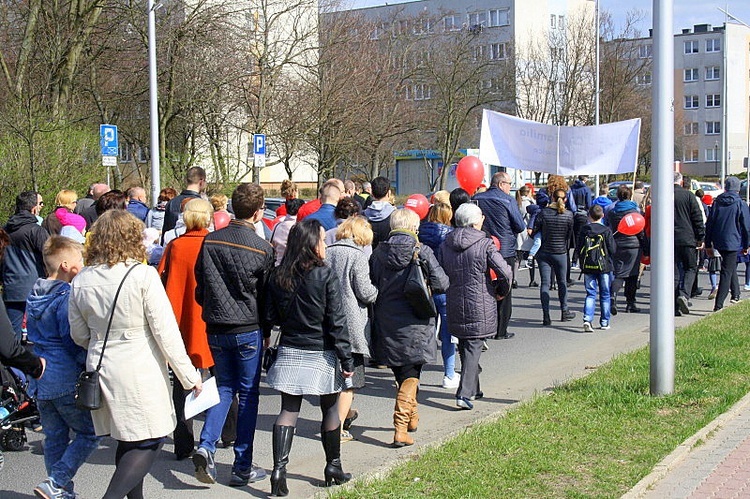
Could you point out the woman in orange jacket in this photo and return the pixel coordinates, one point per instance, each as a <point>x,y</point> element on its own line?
<point>176,271</point>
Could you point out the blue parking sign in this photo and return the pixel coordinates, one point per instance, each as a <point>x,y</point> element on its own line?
<point>108,140</point>
<point>259,144</point>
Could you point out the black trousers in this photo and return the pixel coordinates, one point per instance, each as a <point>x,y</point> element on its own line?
<point>727,278</point>
<point>687,258</point>
<point>505,306</point>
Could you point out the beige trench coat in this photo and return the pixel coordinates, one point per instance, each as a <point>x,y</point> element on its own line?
<point>136,393</point>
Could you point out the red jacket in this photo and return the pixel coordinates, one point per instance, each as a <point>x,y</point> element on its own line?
<point>309,208</point>
<point>177,272</point>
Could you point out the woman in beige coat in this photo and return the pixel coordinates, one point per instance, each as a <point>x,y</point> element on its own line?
<point>137,407</point>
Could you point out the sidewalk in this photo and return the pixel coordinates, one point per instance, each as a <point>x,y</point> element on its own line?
<point>715,462</point>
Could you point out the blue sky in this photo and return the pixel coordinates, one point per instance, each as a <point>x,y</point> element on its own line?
<point>686,12</point>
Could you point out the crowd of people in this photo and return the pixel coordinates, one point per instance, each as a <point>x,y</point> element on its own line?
<point>312,300</point>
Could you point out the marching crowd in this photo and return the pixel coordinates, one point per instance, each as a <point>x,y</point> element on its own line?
<point>345,279</point>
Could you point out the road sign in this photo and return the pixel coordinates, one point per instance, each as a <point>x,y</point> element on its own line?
<point>109,160</point>
<point>108,140</point>
<point>259,144</point>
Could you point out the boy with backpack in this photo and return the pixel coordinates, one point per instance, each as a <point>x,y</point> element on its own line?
<point>596,245</point>
<point>49,329</point>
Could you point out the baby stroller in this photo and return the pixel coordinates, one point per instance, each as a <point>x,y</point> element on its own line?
<point>17,409</point>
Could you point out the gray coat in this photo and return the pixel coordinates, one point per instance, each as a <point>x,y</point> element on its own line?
<point>467,255</point>
<point>399,338</point>
<point>349,263</point>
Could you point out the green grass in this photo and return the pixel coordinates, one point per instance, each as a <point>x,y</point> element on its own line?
<point>593,437</point>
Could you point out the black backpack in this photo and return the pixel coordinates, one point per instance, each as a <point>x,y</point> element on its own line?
<point>594,258</point>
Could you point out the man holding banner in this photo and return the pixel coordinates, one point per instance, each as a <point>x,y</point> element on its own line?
<point>503,220</point>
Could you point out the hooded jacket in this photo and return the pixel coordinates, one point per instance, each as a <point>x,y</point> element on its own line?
<point>379,216</point>
<point>595,228</point>
<point>433,234</point>
<point>728,225</point>
<point>503,219</point>
<point>399,338</point>
<point>155,217</point>
<point>138,209</point>
<point>22,263</point>
<point>617,213</point>
<point>48,328</point>
<point>582,195</point>
<point>467,255</point>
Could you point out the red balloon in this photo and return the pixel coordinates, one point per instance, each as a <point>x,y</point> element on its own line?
<point>631,224</point>
<point>221,219</point>
<point>418,204</point>
<point>470,173</point>
<point>708,199</point>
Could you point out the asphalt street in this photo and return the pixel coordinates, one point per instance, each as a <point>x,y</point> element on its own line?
<point>534,361</point>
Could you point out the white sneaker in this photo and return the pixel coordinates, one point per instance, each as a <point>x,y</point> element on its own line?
<point>451,382</point>
<point>587,327</point>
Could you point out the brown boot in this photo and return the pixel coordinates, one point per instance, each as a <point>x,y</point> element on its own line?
<point>401,416</point>
<point>411,386</point>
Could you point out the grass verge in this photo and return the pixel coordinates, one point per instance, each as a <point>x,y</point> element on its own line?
<point>593,437</point>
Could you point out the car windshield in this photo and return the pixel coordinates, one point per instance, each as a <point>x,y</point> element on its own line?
<point>709,187</point>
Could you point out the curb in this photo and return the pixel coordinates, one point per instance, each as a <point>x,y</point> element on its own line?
<point>683,450</point>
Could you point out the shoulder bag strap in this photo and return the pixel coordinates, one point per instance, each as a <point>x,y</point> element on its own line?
<point>112,314</point>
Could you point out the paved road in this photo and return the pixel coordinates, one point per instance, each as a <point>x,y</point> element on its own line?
<point>514,370</point>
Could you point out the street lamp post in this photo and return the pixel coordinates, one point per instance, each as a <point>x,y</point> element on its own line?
<point>716,158</point>
<point>153,103</point>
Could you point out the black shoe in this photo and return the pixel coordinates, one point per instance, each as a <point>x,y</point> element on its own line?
<point>514,285</point>
<point>282,445</point>
<point>350,417</point>
<point>546,320</point>
<point>631,308</point>
<point>505,336</point>
<point>682,305</point>
<point>533,284</point>
<point>698,292</point>
<point>567,315</point>
<point>613,307</point>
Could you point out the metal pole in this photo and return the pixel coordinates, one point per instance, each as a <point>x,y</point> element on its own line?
<point>153,104</point>
<point>662,212</point>
<point>724,141</point>
<point>596,90</point>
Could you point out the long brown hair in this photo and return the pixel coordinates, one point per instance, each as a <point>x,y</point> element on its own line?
<point>116,236</point>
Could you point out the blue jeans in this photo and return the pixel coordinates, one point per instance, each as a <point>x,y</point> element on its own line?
<point>597,283</point>
<point>237,359</point>
<point>63,457</point>
<point>537,244</point>
<point>447,348</point>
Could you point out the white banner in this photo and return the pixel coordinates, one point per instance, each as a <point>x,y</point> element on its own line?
<point>588,150</point>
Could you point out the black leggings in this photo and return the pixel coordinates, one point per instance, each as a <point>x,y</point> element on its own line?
<point>404,372</point>
<point>329,406</point>
<point>133,461</point>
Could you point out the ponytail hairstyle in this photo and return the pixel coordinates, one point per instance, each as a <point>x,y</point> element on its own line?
<point>559,198</point>
<point>521,193</point>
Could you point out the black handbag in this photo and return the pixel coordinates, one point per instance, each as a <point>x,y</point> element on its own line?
<point>88,390</point>
<point>714,263</point>
<point>417,289</point>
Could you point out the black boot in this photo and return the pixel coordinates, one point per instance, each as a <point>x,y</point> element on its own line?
<point>632,308</point>
<point>567,315</point>
<point>282,444</point>
<point>546,320</point>
<point>332,447</point>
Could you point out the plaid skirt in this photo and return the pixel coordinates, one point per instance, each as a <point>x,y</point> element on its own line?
<point>306,372</point>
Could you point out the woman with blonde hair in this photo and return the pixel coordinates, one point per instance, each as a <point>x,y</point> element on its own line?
<point>66,201</point>
<point>350,263</point>
<point>117,303</point>
<point>221,215</point>
<point>555,223</point>
<point>176,271</point>
<point>402,340</point>
<point>289,190</point>
<point>433,233</point>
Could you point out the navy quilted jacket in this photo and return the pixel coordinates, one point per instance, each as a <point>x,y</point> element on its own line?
<point>231,273</point>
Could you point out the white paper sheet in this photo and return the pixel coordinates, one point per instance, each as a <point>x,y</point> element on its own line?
<point>209,397</point>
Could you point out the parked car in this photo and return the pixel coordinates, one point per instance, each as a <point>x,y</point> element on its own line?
<point>612,187</point>
<point>711,188</point>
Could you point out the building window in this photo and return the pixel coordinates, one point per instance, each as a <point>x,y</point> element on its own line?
<point>143,154</point>
<point>691,102</point>
<point>691,128</point>
<point>713,45</point>
<point>478,19</point>
<point>422,91</point>
<point>691,74</point>
<point>560,22</point>
<point>553,21</point>
<point>713,127</point>
<point>644,79</point>
<point>499,17</point>
<point>480,52</point>
<point>713,100</point>
<point>645,51</point>
<point>422,26</point>
<point>497,51</point>
<point>691,47</point>
<point>713,73</point>
<point>453,23</point>
<point>690,156</point>
<point>125,152</point>
<point>712,154</point>
<point>377,32</point>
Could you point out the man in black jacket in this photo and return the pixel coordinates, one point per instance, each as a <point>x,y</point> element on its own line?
<point>196,184</point>
<point>689,232</point>
<point>22,264</point>
<point>230,272</point>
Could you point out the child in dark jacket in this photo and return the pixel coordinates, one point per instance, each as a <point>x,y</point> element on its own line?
<point>49,329</point>
<point>596,279</point>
